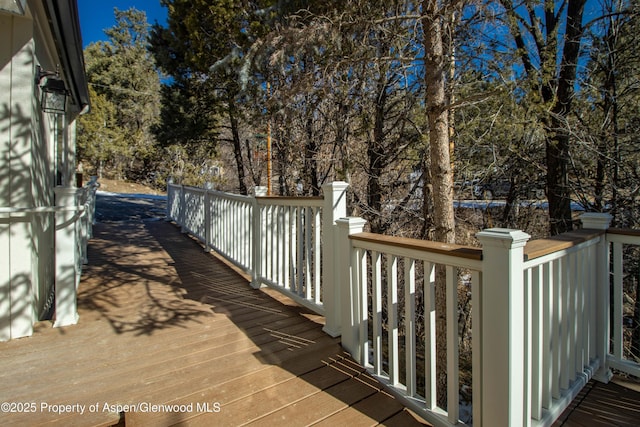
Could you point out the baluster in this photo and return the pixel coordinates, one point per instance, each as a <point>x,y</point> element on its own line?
<point>207,221</point>
<point>453,372</point>
<point>392,318</point>
<point>573,317</point>
<point>364,308</point>
<point>317,253</point>
<point>308,253</point>
<point>593,289</point>
<point>547,332</point>
<point>300,252</point>
<point>618,342</point>
<point>476,343</point>
<point>268,242</point>
<point>286,257</point>
<point>565,339</point>
<point>410,325</point>
<point>376,287</point>
<point>555,329</point>
<point>430,335</point>
<point>279,246</point>
<point>291,259</point>
<point>537,343</point>
<point>580,310</point>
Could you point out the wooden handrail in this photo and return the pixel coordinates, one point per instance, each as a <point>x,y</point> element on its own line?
<point>460,251</point>
<point>540,247</point>
<point>624,231</point>
<point>289,197</point>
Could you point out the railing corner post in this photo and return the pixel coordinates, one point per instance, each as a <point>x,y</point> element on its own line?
<point>596,220</point>
<point>183,210</point>
<point>503,326</point>
<point>256,225</point>
<point>207,221</point>
<point>335,207</point>
<point>167,215</point>
<point>348,299</point>
<point>66,302</point>
<point>601,221</point>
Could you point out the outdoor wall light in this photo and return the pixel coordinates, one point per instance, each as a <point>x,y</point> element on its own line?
<point>54,92</point>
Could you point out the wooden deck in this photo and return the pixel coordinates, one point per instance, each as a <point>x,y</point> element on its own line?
<point>163,323</point>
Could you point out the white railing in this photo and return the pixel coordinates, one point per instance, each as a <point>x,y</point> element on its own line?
<point>540,317</point>
<point>279,241</point>
<point>229,228</point>
<point>84,226</point>
<point>221,221</point>
<point>617,356</point>
<point>385,275</point>
<point>560,307</point>
<point>290,248</point>
<point>72,217</point>
<point>75,213</point>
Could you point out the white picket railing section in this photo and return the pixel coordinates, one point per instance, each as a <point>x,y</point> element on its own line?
<point>560,346</point>
<point>290,247</point>
<point>541,310</point>
<point>616,356</point>
<point>277,240</point>
<point>540,318</point>
<point>84,226</point>
<point>381,271</point>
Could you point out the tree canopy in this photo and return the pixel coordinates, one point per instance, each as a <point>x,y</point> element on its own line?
<point>125,89</point>
<point>413,103</point>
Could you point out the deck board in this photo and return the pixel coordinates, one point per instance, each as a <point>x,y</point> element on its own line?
<point>603,405</point>
<point>163,322</point>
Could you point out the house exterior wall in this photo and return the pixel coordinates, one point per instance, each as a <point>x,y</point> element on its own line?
<point>27,173</point>
<point>16,247</point>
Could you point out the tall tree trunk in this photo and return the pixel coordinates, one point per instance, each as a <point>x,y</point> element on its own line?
<point>558,189</point>
<point>635,336</point>
<point>342,140</point>
<point>436,63</point>
<point>558,155</point>
<point>377,154</point>
<point>310,157</point>
<point>557,92</point>
<point>237,147</point>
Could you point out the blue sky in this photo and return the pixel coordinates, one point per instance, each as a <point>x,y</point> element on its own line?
<point>95,16</point>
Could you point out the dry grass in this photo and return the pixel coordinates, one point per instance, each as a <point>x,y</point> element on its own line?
<point>114,186</point>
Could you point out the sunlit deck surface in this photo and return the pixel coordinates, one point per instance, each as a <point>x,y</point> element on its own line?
<point>163,323</point>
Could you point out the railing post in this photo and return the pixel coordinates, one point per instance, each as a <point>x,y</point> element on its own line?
<point>167,216</point>
<point>256,225</point>
<point>66,257</point>
<point>85,224</point>
<point>503,327</point>
<point>183,210</point>
<point>207,221</point>
<point>334,207</point>
<point>601,221</point>
<point>348,296</point>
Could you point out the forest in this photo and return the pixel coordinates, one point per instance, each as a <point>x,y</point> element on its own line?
<point>414,104</point>
<point>418,105</point>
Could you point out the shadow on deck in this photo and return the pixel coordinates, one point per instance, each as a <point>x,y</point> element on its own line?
<point>170,335</point>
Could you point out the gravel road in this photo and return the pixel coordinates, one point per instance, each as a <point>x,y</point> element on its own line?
<point>114,207</point>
